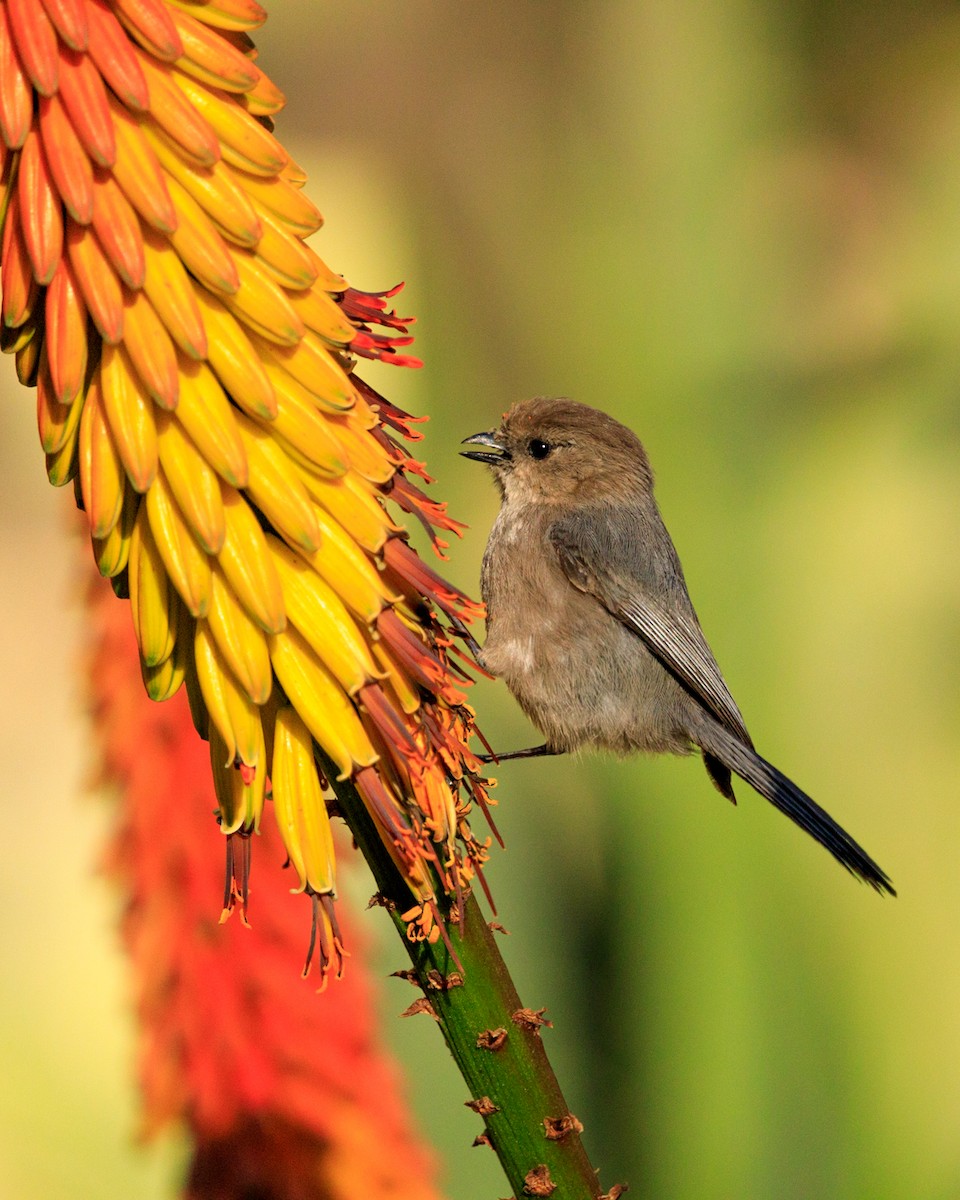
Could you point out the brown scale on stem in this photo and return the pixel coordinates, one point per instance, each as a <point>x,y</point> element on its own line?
<point>492,1039</point>
<point>531,1019</point>
<point>558,1128</point>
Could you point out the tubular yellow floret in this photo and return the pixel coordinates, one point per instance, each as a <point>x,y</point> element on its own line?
<point>233,360</point>
<point>200,245</point>
<point>210,419</point>
<point>138,171</point>
<point>193,482</point>
<point>112,553</point>
<point>244,142</point>
<point>131,417</point>
<point>186,563</point>
<point>323,619</point>
<point>102,478</point>
<point>240,791</point>
<point>210,58</point>
<point>230,709</point>
<point>170,291</point>
<point>348,571</point>
<point>286,202</point>
<point>151,350</point>
<point>321,702</point>
<point>240,640</point>
<point>247,565</point>
<point>311,365</point>
<point>164,680</point>
<point>285,257</point>
<point>276,488</point>
<point>175,115</point>
<point>153,601</point>
<point>354,508</point>
<point>300,809</point>
<point>55,421</point>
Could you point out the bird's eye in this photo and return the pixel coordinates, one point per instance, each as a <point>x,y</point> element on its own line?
<point>537,448</point>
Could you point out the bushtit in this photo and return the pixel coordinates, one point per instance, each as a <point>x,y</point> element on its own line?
<point>588,619</point>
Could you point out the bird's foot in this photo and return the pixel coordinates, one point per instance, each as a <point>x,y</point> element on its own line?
<point>532,752</point>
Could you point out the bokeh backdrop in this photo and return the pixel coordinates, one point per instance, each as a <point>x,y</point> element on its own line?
<point>736,227</point>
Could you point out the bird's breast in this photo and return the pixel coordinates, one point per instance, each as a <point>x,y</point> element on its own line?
<point>527,603</point>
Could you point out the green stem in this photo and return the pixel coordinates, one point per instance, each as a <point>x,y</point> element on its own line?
<point>499,1053</point>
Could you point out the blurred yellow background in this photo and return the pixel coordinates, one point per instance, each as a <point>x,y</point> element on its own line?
<point>736,227</point>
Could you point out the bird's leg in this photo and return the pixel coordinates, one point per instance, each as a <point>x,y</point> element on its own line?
<point>532,752</point>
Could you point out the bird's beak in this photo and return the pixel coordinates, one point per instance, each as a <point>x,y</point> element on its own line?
<point>493,452</point>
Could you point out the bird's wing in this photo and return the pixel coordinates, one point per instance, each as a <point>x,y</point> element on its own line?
<point>591,564</point>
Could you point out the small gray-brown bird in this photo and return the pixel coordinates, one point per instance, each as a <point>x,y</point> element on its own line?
<point>589,622</point>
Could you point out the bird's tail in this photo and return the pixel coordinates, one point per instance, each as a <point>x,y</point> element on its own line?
<point>782,793</point>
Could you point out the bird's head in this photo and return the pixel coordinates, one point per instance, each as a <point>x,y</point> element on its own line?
<point>557,451</point>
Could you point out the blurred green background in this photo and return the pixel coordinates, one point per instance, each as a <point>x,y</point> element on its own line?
<point>736,227</point>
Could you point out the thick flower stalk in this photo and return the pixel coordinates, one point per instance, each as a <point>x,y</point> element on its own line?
<point>282,1094</point>
<point>194,365</point>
